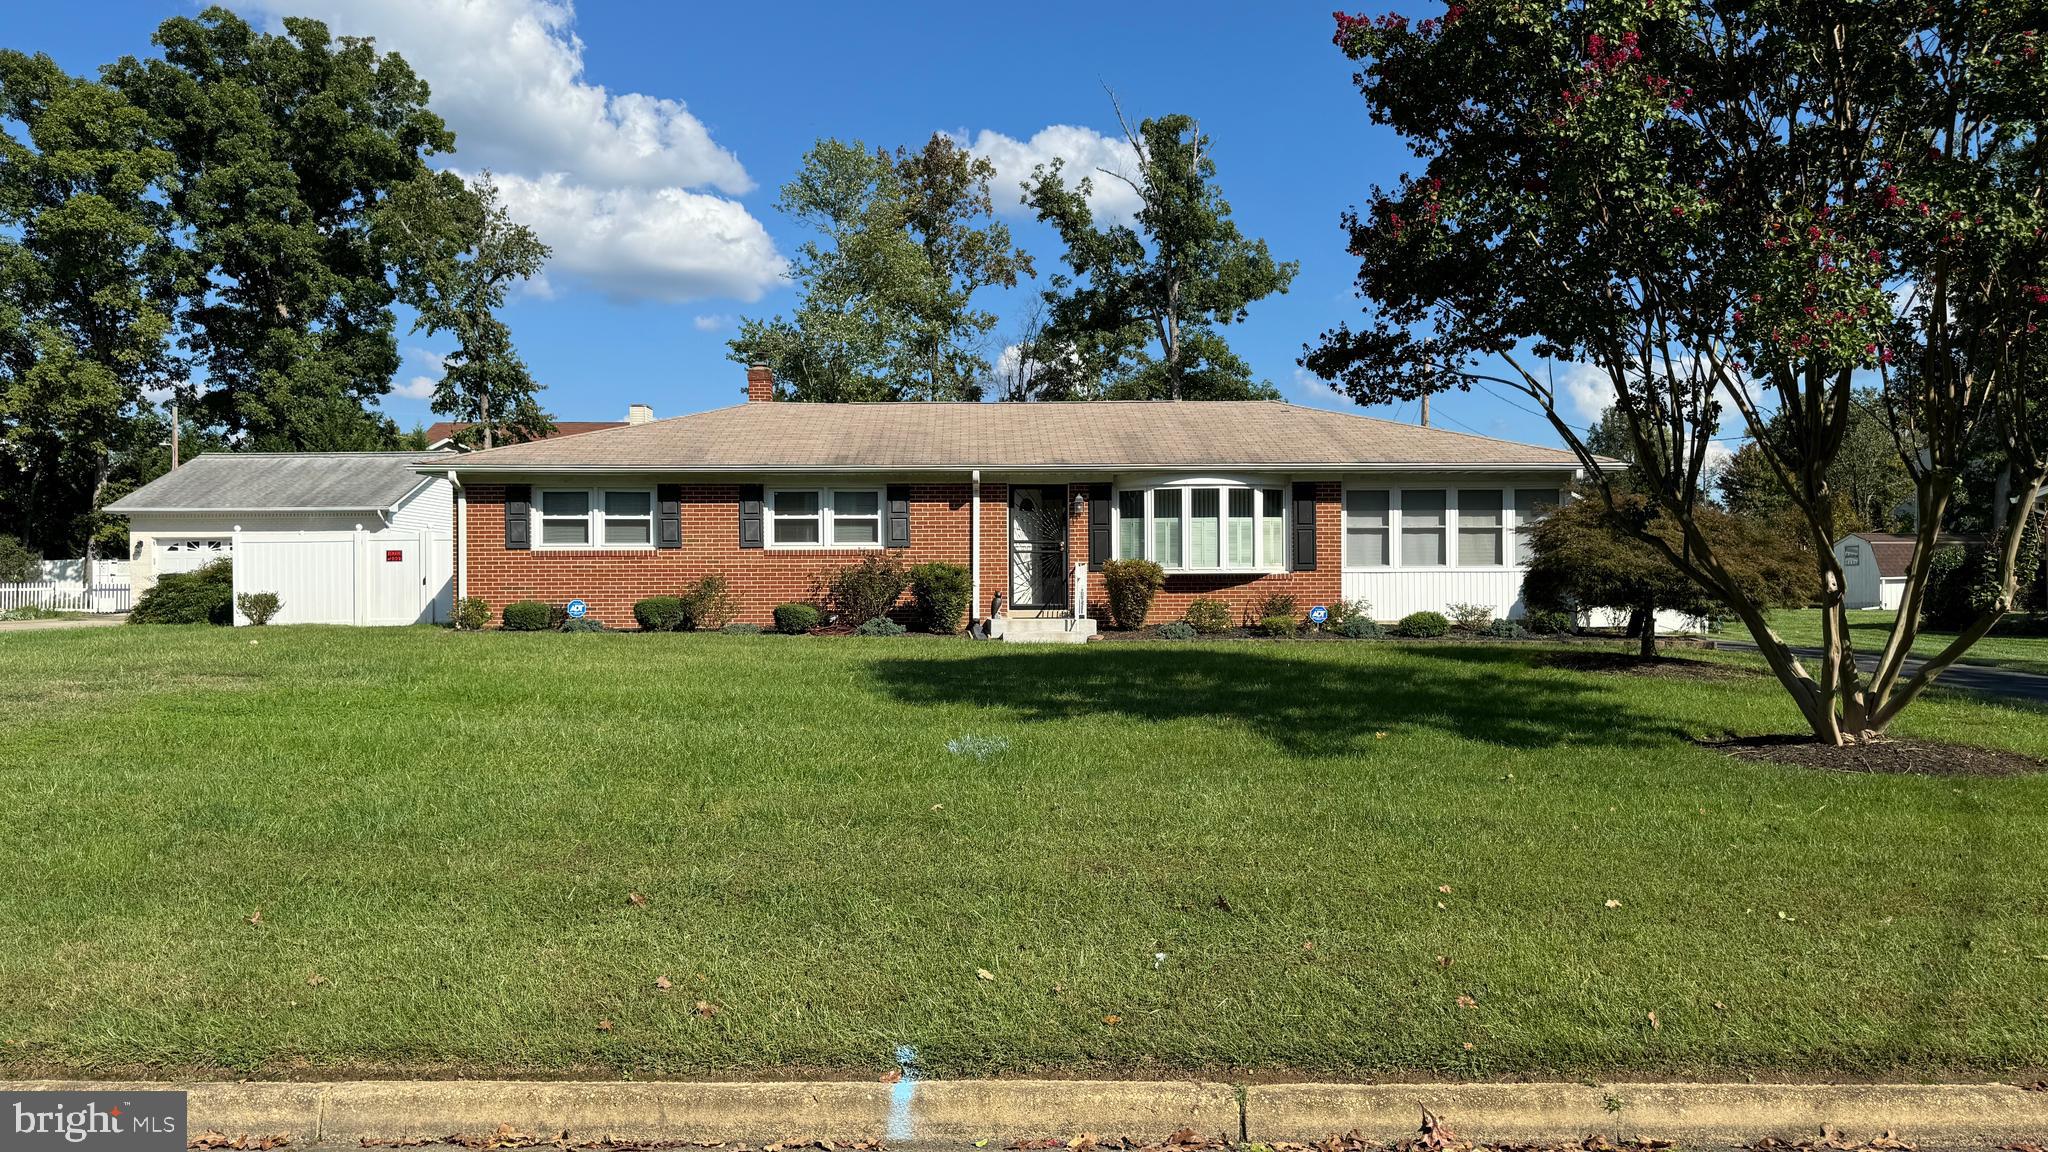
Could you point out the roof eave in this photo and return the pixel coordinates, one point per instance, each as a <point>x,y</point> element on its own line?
<point>489,467</point>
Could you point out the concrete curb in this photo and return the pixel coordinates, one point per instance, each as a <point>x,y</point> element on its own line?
<point>962,1111</point>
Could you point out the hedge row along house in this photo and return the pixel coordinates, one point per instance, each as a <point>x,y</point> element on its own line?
<point>1237,501</point>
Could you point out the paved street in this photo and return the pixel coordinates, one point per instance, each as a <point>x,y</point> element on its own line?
<point>2024,686</point>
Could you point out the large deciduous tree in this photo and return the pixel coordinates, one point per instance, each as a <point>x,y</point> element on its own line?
<point>1138,315</point>
<point>1743,207</point>
<point>905,241</point>
<point>87,288</point>
<point>461,252</point>
<point>285,146</point>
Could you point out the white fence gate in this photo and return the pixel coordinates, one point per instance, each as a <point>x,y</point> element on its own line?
<point>387,577</point>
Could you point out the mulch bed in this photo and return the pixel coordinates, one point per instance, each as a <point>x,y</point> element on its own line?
<point>1631,664</point>
<point>1885,756</point>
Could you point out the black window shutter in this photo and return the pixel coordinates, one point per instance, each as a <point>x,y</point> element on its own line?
<point>518,517</point>
<point>668,499</point>
<point>750,515</point>
<point>1304,527</point>
<point>1098,526</point>
<point>899,515</point>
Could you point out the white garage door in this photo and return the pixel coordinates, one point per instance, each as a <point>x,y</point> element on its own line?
<point>185,554</point>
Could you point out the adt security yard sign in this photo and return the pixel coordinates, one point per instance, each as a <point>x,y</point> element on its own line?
<point>1318,614</point>
<point>576,609</point>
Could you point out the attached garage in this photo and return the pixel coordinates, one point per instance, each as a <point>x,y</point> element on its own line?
<point>341,537</point>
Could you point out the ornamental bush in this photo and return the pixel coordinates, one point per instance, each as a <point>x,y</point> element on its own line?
<point>1548,623</point>
<point>1130,586</point>
<point>1471,617</point>
<point>204,595</point>
<point>795,619</point>
<point>1209,616</point>
<point>1423,624</point>
<point>19,564</point>
<point>1358,628</point>
<point>258,607</point>
<point>879,626</point>
<point>1506,630</point>
<point>1279,604</point>
<point>1344,611</point>
<point>582,624</point>
<point>527,616</point>
<point>472,614</point>
<point>1278,627</point>
<point>941,590</point>
<point>860,592</point>
<point>1178,630</point>
<point>659,614</point>
<point>708,605</point>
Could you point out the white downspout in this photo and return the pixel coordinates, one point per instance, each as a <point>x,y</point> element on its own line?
<point>974,549</point>
<point>461,539</point>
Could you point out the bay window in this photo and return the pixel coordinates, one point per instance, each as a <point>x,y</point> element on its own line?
<point>1166,533</point>
<point>1273,527</point>
<point>1214,527</point>
<point>599,517</point>
<point>824,517</point>
<point>1244,537</point>
<point>1422,527</point>
<point>1130,537</point>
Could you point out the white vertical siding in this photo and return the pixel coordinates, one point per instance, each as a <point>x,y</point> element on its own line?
<point>1394,593</point>
<point>313,574</point>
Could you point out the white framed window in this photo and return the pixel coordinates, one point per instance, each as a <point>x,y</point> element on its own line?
<point>594,518</point>
<point>1367,516</point>
<point>1480,523</point>
<point>824,517</point>
<point>1218,526</point>
<point>1422,527</point>
<point>1531,506</point>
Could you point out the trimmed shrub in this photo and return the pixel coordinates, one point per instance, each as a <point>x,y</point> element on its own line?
<point>1130,586</point>
<point>1423,624</point>
<point>659,614</point>
<point>1278,627</point>
<point>19,563</point>
<point>1179,630</point>
<point>472,614</point>
<point>860,592</point>
<point>205,595</point>
<point>708,605</point>
<point>258,607</point>
<point>1506,630</point>
<point>941,590</point>
<point>1209,616</point>
<point>796,619</point>
<point>1471,617</point>
<point>879,626</point>
<point>741,629</point>
<point>1359,628</point>
<point>1279,604</point>
<point>527,616</point>
<point>582,624</point>
<point>1344,611</point>
<point>1548,623</point>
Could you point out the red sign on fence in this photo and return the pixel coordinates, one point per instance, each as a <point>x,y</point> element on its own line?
<point>394,555</point>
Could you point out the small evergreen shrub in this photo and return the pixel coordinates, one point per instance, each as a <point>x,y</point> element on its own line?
<point>204,595</point>
<point>879,626</point>
<point>1130,586</point>
<point>708,605</point>
<point>1279,604</point>
<point>740,628</point>
<point>941,590</point>
<point>659,614</point>
<point>258,607</point>
<point>1179,630</point>
<point>1209,616</point>
<point>472,614</point>
<point>795,619</point>
<point>582,624</point>
<point>1359,628</point>
<point>527,616</point>
<point>1503,629</point>
<point>1471,617</point>
<point>1423,624</point>
<point>860,592</point>
<point>1551,622</point>
<point>1278,627</point>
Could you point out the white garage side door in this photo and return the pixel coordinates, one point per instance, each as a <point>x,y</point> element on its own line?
<point>313,574</point>
<point>189,553</point>
<point>397,579</point>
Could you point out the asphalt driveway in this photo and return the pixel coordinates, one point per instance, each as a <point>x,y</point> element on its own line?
<point>2004,682</point>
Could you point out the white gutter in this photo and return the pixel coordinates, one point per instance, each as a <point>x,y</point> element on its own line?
<point>974,551</point>
<point>461,537</point>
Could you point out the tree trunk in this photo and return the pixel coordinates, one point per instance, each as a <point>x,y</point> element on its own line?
<point>1648,636</point>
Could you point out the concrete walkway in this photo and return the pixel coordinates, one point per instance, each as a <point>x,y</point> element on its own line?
<point>2025,686</point>
<point>62,622</point>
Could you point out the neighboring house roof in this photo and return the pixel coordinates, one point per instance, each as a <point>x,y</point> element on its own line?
<point>1100,435</point>
<point>1893,553</point>
<point>279,482</point>
<point>443,432</point>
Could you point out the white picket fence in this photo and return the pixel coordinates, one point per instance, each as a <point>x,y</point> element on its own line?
<point>67,596</point>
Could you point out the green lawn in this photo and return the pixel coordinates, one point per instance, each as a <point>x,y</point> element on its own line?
<point>1870,627</point>
<point>444,829</point>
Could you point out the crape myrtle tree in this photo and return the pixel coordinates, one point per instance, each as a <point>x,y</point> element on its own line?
<point>1734,211</point>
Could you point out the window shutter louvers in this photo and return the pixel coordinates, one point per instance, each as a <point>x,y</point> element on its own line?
<point>1098,526</point>
<point>899,516</point>
<point>1304,527</point>
<point>750,515</point>
<point>668,499</point>
<point>518,517</point>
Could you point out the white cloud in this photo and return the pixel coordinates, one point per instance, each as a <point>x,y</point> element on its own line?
<point>657,244</point>
<point>606,178</point>
<point>1315,387</point>
<point>417,388</point>
<point>716,322</point>
<point>1085,151</point>
<point>1584,391</point>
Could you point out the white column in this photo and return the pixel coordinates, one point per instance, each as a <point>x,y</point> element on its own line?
<point>362,581</point>
<point>235,588</point>
<point>974,550</point>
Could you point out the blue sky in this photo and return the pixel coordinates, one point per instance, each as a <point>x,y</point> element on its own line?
<point>646,142</point>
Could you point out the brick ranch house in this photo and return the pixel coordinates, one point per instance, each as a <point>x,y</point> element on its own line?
<point>1235,500</point>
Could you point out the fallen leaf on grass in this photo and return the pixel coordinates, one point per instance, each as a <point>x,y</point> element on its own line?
<point>1614,903</point>
<point>1444,888</point>
<point>663,983</point>
<point>983,974</point>
<point>706,1009</point>
<point>255,917</point>
<point>892,1076</point>
<point>1443,961</point>
<point>636,900</point>
<point>1720,1007</point>
<point>1655,1026</point>
<point>314,980</point>
<point>1308,945</point>
<point>1467,1002</point>
<point>604,1025</point>
<point>1469,1046</point>
<point>1112,1018</point>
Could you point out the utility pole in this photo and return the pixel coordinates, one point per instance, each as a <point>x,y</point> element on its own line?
<point>1425,409</point>
<point>174,435</point>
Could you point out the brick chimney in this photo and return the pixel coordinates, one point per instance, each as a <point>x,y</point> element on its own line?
<point>639,414</point>
<point>760,384</point>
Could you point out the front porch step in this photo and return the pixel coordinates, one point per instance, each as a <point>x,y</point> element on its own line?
<point>1044,630</point>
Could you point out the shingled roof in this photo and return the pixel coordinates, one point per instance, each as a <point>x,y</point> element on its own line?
<point>1102,435</point>
<point>279,482</point>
